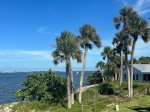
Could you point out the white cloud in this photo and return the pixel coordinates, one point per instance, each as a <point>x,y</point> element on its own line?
<point>142,6</point>
<point>44,30</point>
<point>35,53</point>
<point>24,55</point>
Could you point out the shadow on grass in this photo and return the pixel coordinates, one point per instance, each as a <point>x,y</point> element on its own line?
<point>140,109</point>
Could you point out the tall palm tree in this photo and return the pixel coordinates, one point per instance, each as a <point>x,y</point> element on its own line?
<point>88,37</point>
<point>141,29</point>
<point>126,17</point>
<point>101,66</point>
<point>136,27</point>
<point>107,53</point>
<point>66,49</point>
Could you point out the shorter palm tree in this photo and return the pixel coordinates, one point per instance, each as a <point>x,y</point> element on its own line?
<point>119,41</point>
<point>107,53</point>
<point>113,69</point>
<point>67,48</point>
<point>101,66</point>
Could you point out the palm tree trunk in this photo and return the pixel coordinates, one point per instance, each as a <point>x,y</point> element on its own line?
<point>82,73</point>
<point>71,84</point>
<point>129,81</point>
<point>68,83</point>
<point>121,66</point>
<point>115,76</point>
<point>103,76</point>
<point>131,72</point>
<point>128,73</point>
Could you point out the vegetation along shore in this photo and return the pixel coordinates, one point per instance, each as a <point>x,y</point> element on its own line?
<point>120,82</point>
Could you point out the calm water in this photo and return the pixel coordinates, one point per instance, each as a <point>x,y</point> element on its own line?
<point>11,82</point>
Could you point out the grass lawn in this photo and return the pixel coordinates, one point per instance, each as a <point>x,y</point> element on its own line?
<point>141,104</point>
<point>103,104</point>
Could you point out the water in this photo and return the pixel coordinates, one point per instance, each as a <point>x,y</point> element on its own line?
<point>11,82</point>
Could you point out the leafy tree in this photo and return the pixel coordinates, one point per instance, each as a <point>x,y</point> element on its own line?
<point>144,60</point>
<point>106,89</point>
<point>43,86</point>
<point>95,78</point>
<point>67,48</point>
<point>135,61</point>
<point>88,37</point>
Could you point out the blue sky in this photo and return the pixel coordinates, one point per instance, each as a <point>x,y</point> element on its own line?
<point>29,27</point>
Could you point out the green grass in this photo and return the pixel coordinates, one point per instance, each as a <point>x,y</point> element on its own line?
<point>93,102</point>
<point>141,104</point>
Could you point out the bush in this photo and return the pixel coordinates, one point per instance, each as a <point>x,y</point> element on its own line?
<point>139,87</point>
<point>44,86</point>
<point>106,89</point>
<point>95,78</point>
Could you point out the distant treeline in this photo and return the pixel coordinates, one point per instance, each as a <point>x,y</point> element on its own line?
<point>142,60</point>
<point>20,73</point>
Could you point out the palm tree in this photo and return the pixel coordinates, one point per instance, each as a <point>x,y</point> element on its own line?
<point>66,49</point>
<point>101,66</point>
<point>88,37</point>
<point>135,27</point>
<point>139,29</point>
<point>119,42</point>
<point>127,15</point>
<point>116,60</point>
<point>107,53</point>
<point>113,68</point>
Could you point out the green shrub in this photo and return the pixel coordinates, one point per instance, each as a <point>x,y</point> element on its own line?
<point>139,87</point>
<point>95,78</point>
<point>115,84</point>
<point>106,89</point>
<point>44,86</point>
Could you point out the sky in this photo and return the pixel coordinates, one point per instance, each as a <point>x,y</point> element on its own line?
<point>28,29</point>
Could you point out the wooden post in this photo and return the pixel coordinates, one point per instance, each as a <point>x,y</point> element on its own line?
<point>81,107</point>
<point>94,105</point>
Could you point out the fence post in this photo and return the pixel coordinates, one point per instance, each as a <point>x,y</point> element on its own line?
<point>81,107</point>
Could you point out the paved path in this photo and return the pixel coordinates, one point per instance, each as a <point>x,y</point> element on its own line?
<point>85,88</point>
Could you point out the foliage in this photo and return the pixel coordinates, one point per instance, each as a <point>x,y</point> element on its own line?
<point>67,45</point>
<point>144,60</point>
<point>100,66</point>
<point>92,101</point>
<point>106,89</point>
<point>107,53</point>
<point>47,86</point>
<point>91,97</point>
<point>67,48</point>
<point>95,78</point>
<point>88,35</point>
<point>139,88</point>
